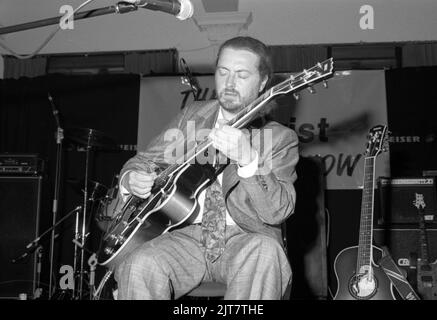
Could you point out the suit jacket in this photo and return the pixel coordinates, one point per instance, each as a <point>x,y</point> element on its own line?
<point>259,203</point>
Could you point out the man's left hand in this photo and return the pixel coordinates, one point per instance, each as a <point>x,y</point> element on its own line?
<point>233,143</point>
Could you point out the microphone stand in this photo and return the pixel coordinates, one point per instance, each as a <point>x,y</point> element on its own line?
<point>33,245</point>
<point>59,138</point>
<point>121,7</point>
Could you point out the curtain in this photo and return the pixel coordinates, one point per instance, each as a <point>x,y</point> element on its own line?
<point>296,58</point>
<point>164,61</point>
<point>16,68</point>
<point>414,55</point>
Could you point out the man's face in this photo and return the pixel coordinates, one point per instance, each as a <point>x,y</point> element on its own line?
<point>237,79</point>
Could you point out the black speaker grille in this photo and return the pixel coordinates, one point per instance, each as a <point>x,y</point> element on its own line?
<point>20,199</point>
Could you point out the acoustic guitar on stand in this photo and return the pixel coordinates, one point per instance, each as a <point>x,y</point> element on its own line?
<point>358,277</point>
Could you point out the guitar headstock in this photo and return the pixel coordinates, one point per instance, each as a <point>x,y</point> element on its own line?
<point>317,73</point>
<point>377,141</point>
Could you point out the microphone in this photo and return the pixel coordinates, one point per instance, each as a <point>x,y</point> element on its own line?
<point>189,79</point>
<point>54,110</point>
<point>182,9</point>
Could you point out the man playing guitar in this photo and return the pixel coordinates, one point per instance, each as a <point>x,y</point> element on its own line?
<point>256,186</point>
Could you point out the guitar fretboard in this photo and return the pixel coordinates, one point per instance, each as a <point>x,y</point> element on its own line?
<point>366,221</point>
<point>316,73</point>
<point>422,225</point>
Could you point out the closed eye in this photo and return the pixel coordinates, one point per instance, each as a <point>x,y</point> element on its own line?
<point>222,71</point>
<point>243,74</point>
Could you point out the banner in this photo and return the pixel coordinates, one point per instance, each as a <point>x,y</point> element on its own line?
<point>333,122</point>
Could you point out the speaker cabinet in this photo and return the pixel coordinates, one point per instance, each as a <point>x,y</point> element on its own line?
<point>404,247</point>
<point>20,198</point>
<point>397,201</point>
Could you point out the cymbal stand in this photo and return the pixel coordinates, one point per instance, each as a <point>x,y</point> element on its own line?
<point>59,138</point>
<point>81,237</point>
<point>77,245</point>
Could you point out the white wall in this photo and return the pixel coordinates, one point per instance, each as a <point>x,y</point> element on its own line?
<point>275,21</point>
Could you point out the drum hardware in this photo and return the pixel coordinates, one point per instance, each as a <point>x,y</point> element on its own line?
<point>92,262</point>
<point>106,205</point>
<point>91,140</point>
<point>98,190</point>
<point>38,290</point>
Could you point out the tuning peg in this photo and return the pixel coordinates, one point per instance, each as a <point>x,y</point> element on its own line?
<point>325,83</point>
<point>296,96</point>
<point>311,89</point>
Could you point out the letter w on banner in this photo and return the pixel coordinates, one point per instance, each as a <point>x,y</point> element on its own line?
<point>332,122</point>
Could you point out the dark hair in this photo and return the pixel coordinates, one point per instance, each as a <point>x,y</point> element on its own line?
<point>265,66</point>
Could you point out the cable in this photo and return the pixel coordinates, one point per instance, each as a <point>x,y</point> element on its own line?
<point>18,56</point>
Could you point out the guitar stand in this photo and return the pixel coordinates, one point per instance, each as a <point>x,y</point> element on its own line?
<point>396,276</point>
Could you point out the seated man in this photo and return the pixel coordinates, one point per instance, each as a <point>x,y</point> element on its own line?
<point>240,244</point>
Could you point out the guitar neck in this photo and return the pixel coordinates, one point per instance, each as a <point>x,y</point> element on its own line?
<point>249,112</point>
<point>317,73</point>
<point>366,221</point>
<point>290,85</point>
<point>423,237</point>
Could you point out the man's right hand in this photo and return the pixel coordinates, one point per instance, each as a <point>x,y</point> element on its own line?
<point>139,183</point>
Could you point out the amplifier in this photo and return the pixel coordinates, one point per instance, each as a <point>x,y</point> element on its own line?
<point>397,198</point>
<point>24,163</point>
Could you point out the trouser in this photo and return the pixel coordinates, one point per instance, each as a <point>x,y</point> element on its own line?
<point>253,266</point>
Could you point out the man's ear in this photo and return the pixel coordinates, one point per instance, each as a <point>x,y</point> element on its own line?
<point>263,83</point>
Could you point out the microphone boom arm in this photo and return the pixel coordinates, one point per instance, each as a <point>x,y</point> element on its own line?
<point>121,7</point>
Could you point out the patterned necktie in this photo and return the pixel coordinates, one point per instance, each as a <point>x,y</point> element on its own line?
<point>214,222</point>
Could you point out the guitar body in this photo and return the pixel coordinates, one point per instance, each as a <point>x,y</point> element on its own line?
<point>170,206</point>
<point>353,287</point>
